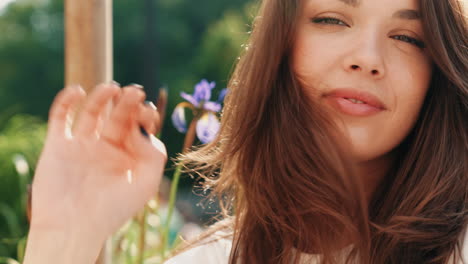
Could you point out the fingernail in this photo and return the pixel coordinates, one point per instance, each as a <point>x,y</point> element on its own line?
<point>136,85</point>
<point>143,132</point>
<point>150,104</point>
<point>116,83</point>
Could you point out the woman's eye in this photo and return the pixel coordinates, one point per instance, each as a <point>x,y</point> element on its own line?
<point>410,40</point>
<point>328,20</point>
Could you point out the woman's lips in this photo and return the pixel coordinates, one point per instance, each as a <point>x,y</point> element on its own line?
<point>370,104</point>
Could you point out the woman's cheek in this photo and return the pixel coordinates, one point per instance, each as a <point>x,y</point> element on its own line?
<point>400,125</point>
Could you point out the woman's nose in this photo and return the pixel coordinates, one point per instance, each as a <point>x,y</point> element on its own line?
<point>366,57</point>
<point>374,71</point>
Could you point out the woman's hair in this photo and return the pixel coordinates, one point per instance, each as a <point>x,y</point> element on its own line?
<point>280,167</point>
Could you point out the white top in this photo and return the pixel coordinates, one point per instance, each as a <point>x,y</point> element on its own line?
<point>217,252</point>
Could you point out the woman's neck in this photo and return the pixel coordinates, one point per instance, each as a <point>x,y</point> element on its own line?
<point>373,172</point>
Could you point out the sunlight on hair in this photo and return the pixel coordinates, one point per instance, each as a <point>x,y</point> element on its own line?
<point>464,4</point>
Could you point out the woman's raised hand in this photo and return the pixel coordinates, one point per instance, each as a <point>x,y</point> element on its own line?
<point>94,177</point>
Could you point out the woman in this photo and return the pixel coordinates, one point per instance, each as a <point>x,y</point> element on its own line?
<point>343,140</point>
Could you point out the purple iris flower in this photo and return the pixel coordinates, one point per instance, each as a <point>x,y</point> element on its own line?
<point>208,125</point>
<point>201,96</point>
<point>178,119</point>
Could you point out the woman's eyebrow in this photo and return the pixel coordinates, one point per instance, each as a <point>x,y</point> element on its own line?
<point>407,14</point>
<point>353,3</point>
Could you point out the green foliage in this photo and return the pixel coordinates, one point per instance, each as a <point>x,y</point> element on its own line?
<point>140,239</point>
<point>21,142</point>
<point>222,44</point>
<point>31,55</point>
<point>8,261</point>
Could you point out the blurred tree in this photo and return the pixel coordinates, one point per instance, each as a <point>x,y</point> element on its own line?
<point>31,56</point>
<point>31,46</point>
<point>150,70</point>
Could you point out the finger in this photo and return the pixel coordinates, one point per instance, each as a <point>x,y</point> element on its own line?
<point>118,126</point>
<point>155,154</point>
<point>152,154</point>
<point>94,107</point>
<point>145,147</point>
<point>63,104</point>
<point>149,118</point>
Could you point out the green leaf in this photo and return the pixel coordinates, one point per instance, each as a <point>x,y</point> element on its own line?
<point>4,260</point>
<point>11,220</point>
<point>21,249</point>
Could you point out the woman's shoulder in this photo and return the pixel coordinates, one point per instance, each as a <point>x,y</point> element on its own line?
<point>213,250</point>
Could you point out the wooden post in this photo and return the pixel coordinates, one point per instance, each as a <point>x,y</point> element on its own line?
<point>88,42</point>
<point>88,53</point>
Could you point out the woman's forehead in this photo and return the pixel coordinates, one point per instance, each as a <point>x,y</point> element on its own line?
<point>360,3</point>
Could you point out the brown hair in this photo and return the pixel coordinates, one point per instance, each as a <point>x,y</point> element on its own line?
<point>277,168</point>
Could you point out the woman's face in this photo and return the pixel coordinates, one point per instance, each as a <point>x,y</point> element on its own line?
<point>367,50</point>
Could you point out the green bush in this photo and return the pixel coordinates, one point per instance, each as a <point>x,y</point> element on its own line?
<point>21,141</point>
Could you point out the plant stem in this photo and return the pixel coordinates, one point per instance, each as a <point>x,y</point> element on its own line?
<point>172,198</point>
<point>188,142</point>
<point>190,136</point>
<point>142,242</point>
